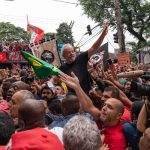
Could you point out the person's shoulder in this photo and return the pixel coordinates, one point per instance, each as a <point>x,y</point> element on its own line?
<point>63,66</point>
<point>82,56</point>
<point>58,123</point>
<point>83,53</point>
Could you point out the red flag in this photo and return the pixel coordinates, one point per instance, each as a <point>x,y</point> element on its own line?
<point>34,33</point>
<point>3,57</point>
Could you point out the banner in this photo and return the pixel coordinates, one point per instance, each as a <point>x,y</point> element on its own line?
<point>124,59</point>
<point>3,57</point>
<point>41,68</point>
<point>104,49</point>
<point>15,56</point>
<point>47,51</point>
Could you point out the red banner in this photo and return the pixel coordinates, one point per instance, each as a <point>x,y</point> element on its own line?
<point>124,59</point>
<point>12,56</point>
<point>34,33</point>
<point>15,56</point>
<point>3,57</point>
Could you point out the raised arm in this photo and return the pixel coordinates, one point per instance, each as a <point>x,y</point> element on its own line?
<point>113,80</point>
<point>142,119</point>
<point>99,41</point>
<point>122,97</point>
<point>85,101</point>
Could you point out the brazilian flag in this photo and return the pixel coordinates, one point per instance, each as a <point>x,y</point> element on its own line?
<point>42,69</point>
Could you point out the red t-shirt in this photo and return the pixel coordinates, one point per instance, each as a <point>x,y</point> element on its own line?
<point>126,115</point>
<point>2,147</point>
<point>114,137</point>
<point>35,139</point>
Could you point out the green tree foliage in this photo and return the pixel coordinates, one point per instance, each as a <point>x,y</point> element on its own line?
<point>135,15</point>
<point>49,36</point>
<point>64,34</point>
<point>10,32</point>
<point>133,52</point>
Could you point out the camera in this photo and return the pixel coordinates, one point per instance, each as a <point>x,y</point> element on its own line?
<point>141,89</point>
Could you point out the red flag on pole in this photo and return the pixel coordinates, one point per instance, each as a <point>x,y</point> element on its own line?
<point>34,33</point>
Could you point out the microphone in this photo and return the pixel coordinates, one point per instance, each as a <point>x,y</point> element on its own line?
<point>131,74</point>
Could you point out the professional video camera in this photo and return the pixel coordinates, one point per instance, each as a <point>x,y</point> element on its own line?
<point>141,89</point>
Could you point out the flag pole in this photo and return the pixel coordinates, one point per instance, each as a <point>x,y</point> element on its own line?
<point>27,35</point>
<point>27,20</point>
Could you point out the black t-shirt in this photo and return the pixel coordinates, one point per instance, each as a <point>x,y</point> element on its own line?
<point>79,67</point>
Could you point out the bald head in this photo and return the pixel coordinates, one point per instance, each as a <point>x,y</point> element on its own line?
<point>111,112</point>
<point>118,104</point>
<point>17,99</point>
<point>31,114</point>
<point>22,95</point>
<point>20,85</point>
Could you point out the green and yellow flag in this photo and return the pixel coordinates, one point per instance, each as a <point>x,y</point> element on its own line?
<point>42,69</point>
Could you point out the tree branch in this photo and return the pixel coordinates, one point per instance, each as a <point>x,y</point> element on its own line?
<point>130,25</point>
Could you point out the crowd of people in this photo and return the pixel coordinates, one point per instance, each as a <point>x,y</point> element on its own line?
<point>16,45</point>
<point>83,108</point>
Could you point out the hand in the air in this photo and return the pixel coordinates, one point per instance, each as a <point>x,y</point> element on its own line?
<point>71,81</point>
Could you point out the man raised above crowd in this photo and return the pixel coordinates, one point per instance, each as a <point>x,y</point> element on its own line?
<point>78,64</point>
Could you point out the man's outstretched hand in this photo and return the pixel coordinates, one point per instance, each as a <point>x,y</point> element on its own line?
<point>71,81</point>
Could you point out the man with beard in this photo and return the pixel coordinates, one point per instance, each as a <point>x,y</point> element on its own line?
<point>35,90</point>
<point>47,93</point>
<point>78,64</point>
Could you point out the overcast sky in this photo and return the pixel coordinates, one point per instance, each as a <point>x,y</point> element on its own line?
<point>48,14</point>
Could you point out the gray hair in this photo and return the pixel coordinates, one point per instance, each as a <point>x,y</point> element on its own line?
<point>64,48</point>
<point>81,133</point>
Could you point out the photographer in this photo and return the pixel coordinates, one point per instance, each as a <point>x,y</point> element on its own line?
<point>143,118</point>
